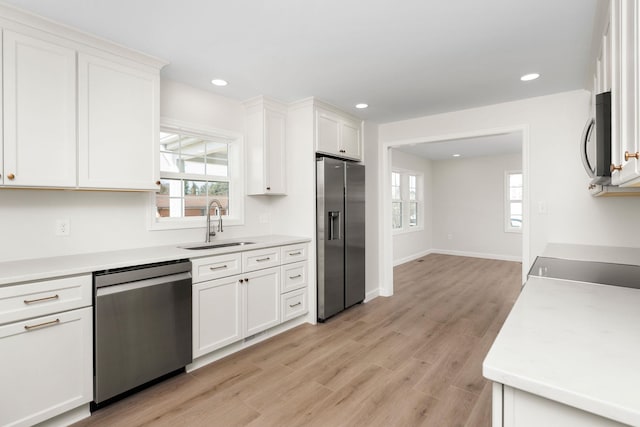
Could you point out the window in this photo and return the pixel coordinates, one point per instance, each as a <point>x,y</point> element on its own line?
<point>513,201</point>
<point>197,167</point>
<point>406,201</point>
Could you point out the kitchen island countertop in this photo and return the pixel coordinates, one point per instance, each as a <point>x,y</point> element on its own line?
<point>575,343</point>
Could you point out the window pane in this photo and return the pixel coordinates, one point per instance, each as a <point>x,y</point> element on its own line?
<point>516,208</point>
<point>193,155</point>
<point>413,187</point>
<point>396,215</point>
<point>515,180</point>
<point>395,186</point>
<point>413,214</point>
<point>515,193</point>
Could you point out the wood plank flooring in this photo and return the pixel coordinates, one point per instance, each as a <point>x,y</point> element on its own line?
<point>414,359</point>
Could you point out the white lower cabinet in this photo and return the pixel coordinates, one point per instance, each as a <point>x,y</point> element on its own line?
<point>262,299</point>
<point>523,409</point>
<point>47,366</point>
<point>258,293</point>
<point>293,304</point>
<point>217,311</point>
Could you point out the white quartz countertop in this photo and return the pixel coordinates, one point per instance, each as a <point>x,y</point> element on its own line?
<point>16,272</point>
<point>575,343</point>
<point>610,254</point>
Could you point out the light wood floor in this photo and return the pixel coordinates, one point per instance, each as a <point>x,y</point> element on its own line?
<point>410,360</point>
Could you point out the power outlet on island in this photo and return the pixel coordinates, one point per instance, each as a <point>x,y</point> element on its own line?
<point>63,227</point>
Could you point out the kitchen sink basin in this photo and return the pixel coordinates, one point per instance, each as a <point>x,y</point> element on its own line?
<point>215,245</point>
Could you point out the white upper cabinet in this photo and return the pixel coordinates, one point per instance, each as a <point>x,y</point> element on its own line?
<point>118,113</point>
<point>266,127</point>
<point>625,148</point>
<point>337,134</point>
<point>39,104</point>
<point>77,111</point>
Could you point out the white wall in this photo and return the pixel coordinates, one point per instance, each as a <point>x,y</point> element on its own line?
<point>116,220</point>
<point>414,244</point>
<point>556,177</point>
<point>469,204</point>
<point>372,216</point>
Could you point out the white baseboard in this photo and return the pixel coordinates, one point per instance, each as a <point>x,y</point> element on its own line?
<point>477,255</point>
<point>371,295</point>
<point>412,257</point>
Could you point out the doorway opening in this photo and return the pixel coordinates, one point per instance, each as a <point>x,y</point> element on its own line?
<point>459,194</point>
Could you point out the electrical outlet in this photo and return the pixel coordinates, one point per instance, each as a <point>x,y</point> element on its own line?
<point>63,227</point>
<point>264,219</point>
<point>450,236</point>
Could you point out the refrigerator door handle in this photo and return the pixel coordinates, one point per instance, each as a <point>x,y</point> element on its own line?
<point>334,217</point>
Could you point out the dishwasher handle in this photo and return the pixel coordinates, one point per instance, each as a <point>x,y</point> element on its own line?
<point>124,287</point>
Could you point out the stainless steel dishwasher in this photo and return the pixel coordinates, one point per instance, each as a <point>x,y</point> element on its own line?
<point>142,328</point>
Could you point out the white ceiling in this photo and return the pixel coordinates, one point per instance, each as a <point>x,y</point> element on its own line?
<point>491,145</point>
<point>404,58</point>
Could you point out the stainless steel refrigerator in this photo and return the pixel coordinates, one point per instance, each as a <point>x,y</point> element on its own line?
<point>340,235</point>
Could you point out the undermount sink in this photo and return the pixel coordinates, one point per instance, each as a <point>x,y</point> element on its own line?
<point>215,245</point>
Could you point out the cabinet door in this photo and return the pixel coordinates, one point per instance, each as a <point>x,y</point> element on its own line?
<point>39,112</point>
<point>262,300</point>
<point>47,366</point>
<point>350,145</point>
<point>118,113</point>
<point>217,314</point>
<point>327,132</point>
<point>629,145</point>
<point>275,131</point>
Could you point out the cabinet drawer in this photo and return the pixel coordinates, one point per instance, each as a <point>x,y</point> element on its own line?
<point>45,297</point>
<point>293,304</point>
<point>260,258</point>
<point>216,267</point>
<point>294,276</point>
<point>294,253</point>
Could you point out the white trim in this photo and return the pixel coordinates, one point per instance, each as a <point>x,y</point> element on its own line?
<point>477,255</point>
<point>412,257</point>
<point>371,295</point>
<point>385,255</point>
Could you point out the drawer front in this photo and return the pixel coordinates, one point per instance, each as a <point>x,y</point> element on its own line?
<point>260,258</point>
<point>293,304</point>
<point>294,253</point>
<point>45,297</point>
<point>294,276</point>
<point>216,267</point>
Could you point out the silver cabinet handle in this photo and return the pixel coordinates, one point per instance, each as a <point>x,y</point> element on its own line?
<point>31,301</point>
<point>294,305</point>
<point>295,277</point>
<point>295,253</point>
<point>218,268</point>
<point>263,259</point>
<point>41,325</point>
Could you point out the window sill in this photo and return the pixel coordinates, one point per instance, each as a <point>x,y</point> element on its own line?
<point>407,230</point>
<point>513,230</point>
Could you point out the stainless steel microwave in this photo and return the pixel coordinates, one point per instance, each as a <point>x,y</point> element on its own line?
<point>595,145</point>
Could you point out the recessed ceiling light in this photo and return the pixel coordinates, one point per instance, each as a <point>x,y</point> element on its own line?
<point>219,82</point>
<point>529,77</point>
<point>456,155</point>
<point>362,105</point>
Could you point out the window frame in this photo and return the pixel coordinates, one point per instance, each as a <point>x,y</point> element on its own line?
<point>406,201</point>
<point>508,228</point>
<point>235,177</point>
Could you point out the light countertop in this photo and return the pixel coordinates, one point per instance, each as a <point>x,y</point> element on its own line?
<point>573,342</point>
<point>20,271</point>
<point>610,254</point>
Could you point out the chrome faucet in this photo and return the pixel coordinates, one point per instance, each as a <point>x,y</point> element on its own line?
<point>211,232</point>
